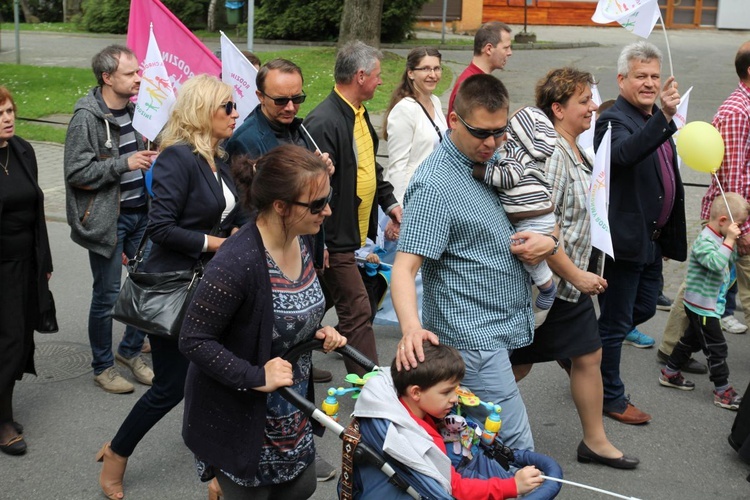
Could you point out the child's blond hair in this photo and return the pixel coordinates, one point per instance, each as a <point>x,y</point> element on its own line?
<point>737,204</point>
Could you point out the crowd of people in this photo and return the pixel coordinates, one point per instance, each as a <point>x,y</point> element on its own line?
<point>483,202</point>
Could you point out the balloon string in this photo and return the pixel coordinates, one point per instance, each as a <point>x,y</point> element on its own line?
<point>729,211</point>
<point>617,495</point>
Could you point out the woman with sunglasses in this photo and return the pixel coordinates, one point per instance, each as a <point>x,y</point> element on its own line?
<point>191,214</point>
<point>570,331</point>
<point>252,440</point>
<point>414,123</point>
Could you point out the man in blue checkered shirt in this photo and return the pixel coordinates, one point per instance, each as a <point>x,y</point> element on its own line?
<point>477,295</point>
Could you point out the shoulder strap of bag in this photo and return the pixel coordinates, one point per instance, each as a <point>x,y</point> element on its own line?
<point>351,440</point>
<point>437,129</point>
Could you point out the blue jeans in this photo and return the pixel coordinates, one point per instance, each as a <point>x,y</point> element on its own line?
<point>731,304</point>
<point>489,376</point>
<point>630,299</point>
<point>107,272</point>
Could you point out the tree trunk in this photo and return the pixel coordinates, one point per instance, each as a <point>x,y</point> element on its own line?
<point>28,16</point>
<point>211,22</point>
<point>360,20</point>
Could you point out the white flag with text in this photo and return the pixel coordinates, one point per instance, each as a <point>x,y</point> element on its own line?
<point>680,119</point>
<point>636,16</point>
<point>586,139</point>
<point>156,95</point>
<point>601,236</point>
<point>237,71</point>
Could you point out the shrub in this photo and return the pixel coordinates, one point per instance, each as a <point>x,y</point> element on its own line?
<point>319,19</point>
<point>111,16</point>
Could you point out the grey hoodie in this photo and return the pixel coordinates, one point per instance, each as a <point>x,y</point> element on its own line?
<point>93,166</point>
<point>406,441</point>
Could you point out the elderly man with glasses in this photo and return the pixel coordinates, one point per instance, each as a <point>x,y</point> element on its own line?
<point>477,296</point>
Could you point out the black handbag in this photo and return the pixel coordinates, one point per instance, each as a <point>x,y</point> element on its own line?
<point>156,302</point>
<point>47,321</point>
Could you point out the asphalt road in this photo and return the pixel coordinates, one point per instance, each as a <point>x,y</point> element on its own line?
<point>683,451</point>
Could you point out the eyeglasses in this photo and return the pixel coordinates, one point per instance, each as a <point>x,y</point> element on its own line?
<point>229,106</point>
<point>430,69</point>
<point>483,133</point>
<point>316,206</point>
<point>283,101</point>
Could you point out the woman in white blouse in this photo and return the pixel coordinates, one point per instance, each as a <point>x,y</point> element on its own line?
<point>414,123</point>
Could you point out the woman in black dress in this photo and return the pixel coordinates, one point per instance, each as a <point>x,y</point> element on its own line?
<point>570,330</point>
<point>25,267</point>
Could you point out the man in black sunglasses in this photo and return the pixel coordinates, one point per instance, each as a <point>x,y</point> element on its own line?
<point>274,121</point>
<point>341,126</point>
<point>477,296</point>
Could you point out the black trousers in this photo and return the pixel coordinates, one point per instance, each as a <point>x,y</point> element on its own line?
<point>170,371</point>
<point>703,334</point>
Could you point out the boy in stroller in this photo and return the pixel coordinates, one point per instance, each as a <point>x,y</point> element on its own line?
<point>408,404</point>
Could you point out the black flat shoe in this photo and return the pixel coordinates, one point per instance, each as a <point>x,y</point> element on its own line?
<point>16,446</point>
<point>585,456</point>
<point>18,427</point>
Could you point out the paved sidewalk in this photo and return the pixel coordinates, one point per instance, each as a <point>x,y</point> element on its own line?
<point>683,451</point>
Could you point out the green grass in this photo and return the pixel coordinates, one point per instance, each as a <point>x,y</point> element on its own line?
<point>53,27</point>
<point>40,91</point>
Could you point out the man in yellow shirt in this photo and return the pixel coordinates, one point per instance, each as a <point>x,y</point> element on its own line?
<point>341,127</point>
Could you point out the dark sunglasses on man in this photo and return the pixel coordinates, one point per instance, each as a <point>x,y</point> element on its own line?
<point>283,101</point>
<point>316,206</point>
<point>483,133</point>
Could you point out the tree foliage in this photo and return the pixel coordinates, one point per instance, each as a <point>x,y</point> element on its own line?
<point>319,19</point>
<point>111,16</point>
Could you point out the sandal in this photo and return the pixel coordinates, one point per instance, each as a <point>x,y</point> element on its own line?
<point>214,490</point>
<point>113,470</point>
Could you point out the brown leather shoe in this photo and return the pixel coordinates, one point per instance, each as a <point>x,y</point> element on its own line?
<point>321,376</point>
<point>631,415</point>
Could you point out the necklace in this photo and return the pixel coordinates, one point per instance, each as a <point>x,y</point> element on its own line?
<point>7,159</point>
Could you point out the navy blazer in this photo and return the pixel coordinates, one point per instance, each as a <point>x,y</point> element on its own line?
<point>188,202</point>
<point>636,191</point>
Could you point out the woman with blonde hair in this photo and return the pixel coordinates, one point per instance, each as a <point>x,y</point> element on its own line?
<point>191,214</point>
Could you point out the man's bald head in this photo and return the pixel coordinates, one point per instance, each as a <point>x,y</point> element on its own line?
<point>742,62</point>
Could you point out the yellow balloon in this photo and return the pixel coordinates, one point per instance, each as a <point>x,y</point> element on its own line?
<point>700,146</point>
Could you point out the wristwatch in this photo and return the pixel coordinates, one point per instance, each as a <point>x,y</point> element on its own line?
<point>557,243</point>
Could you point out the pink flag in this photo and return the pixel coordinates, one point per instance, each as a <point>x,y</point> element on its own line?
<point>184,55</point>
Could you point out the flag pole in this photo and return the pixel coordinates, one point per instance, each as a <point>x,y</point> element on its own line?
<point>666,38</point>
<point>310,137</point>
<point>721,190</point>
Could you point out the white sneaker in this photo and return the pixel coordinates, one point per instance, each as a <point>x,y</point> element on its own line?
<point>730,324</point>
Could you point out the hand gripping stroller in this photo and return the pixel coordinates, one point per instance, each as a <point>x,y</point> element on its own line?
<point>362,452</point>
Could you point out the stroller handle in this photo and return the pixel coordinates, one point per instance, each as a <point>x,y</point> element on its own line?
<point>363,452</point>
<point>350,352</point>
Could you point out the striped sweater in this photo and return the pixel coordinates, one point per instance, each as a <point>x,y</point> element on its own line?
<point>708,274</point>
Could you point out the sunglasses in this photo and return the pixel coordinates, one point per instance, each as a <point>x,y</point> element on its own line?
<point>283,101</point>
<point>482,133</point>
<point>229,106</point>
<point>316,206</point>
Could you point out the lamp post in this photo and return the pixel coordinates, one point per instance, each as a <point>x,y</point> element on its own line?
<point>525,36</point>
